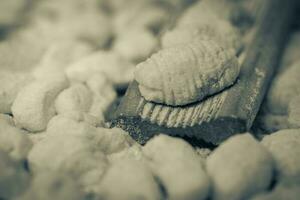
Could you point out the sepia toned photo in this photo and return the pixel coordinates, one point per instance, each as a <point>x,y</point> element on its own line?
<point>149,100</point>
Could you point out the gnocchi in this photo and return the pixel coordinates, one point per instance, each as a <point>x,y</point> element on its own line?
<point>186,74</point>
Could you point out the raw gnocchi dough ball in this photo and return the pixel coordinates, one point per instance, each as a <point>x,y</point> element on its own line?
<point>294,112</point>
<point>13,177</point>
<point>56,147</point>
<point>10,84</point>
<point>70,154</point>
<point>178,167</point>
<point>64,8</point>
<point>72,20</point>
<point>103,95</point>
<point>141,16</point>
<point>76,124</point>
<point>13,141</point>
<point>114,67</point>
<point>59,55</point>
<point>83,117</point>
<point>219,30</point>
<point>52,185</point>
<point>76,98</point>
<point>232,11</point>
<point>86,167</point>
<point>34,105</point>
<point>285,148</point>
<point>206,10</point>
<point>129,180</point>
<point>283,89</point>
<point>28,44</point>
<point>192,15</point>
<point>92,27</point>
<point>135,45</point>
<point>239,168</point>
<point>105,140</point>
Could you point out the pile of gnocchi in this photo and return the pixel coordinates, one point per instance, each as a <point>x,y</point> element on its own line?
<point>64,64</point>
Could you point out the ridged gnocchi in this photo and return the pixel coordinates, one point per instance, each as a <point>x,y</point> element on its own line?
<point>188,73</point>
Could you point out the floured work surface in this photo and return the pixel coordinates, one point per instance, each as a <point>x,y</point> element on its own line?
<point>228,112</point>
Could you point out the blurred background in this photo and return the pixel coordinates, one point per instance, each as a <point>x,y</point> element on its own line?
<point>65,64</point>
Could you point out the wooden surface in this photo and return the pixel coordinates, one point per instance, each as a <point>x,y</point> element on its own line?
<point>221,115</point>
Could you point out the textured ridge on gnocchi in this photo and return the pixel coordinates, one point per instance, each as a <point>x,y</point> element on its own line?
<point>188,73</point>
